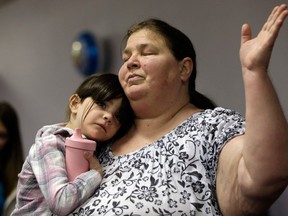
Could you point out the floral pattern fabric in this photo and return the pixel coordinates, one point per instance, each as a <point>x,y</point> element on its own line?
<point>175,175</point>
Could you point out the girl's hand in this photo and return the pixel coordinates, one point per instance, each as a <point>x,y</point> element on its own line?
<point>93,162</point>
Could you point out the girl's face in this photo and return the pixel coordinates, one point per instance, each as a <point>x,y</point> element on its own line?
<point>97,121</point>
<point>3,136</point>
<point>149,66</point>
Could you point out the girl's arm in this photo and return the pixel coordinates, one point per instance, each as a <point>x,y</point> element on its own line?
<point>49,167</point>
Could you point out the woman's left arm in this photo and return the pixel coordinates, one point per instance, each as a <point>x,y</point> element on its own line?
<point>260,157</point>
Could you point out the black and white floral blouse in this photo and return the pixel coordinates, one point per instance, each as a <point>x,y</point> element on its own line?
<point>175,175</point>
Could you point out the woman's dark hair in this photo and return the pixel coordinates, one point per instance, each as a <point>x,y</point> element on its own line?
<point>11,156</point>
<point>181,47</point>
<point>103,87</point>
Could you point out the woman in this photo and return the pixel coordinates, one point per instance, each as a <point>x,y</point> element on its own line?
<point>183,156</point>
<point>11,154</point>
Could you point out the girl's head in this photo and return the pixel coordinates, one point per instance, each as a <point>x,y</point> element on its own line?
<point>180,46</point>
<point>100,108</point>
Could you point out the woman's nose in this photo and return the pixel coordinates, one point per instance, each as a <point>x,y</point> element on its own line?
<point>133,62</point>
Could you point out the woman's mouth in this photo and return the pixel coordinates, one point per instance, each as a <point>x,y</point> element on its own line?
<point>134,79</point>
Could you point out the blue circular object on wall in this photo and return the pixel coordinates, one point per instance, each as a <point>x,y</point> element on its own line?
<point>85,54</point>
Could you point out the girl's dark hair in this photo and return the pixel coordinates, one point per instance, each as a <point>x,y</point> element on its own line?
<point>11,156</point>
<point>103,87</point>
<point>181,47</point>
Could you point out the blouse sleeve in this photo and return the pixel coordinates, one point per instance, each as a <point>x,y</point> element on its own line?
<point>221,125</point>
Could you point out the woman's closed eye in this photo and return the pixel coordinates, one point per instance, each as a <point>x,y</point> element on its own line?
<point>148,50</point>
<point>126,55</point>
<point>148,53</point>
<point>125,59</point>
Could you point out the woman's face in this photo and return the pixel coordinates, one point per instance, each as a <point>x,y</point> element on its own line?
<point>3,136</point>
<point>148,66</point>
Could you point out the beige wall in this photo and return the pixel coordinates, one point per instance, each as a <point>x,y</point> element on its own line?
<point>37,75</point>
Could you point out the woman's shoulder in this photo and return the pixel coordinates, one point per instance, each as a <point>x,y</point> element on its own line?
<point>215,121</point>
<point>219,113</point>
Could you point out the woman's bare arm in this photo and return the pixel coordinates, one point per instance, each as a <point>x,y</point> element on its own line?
<point>253,168</point>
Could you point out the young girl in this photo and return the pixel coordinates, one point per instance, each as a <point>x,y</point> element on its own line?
<point>102,112</point>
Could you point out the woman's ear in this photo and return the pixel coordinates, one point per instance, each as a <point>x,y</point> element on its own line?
<point>186,67</point>
<point>74,102</point>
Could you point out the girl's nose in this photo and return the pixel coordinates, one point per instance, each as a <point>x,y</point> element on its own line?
<point>108,118</point>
